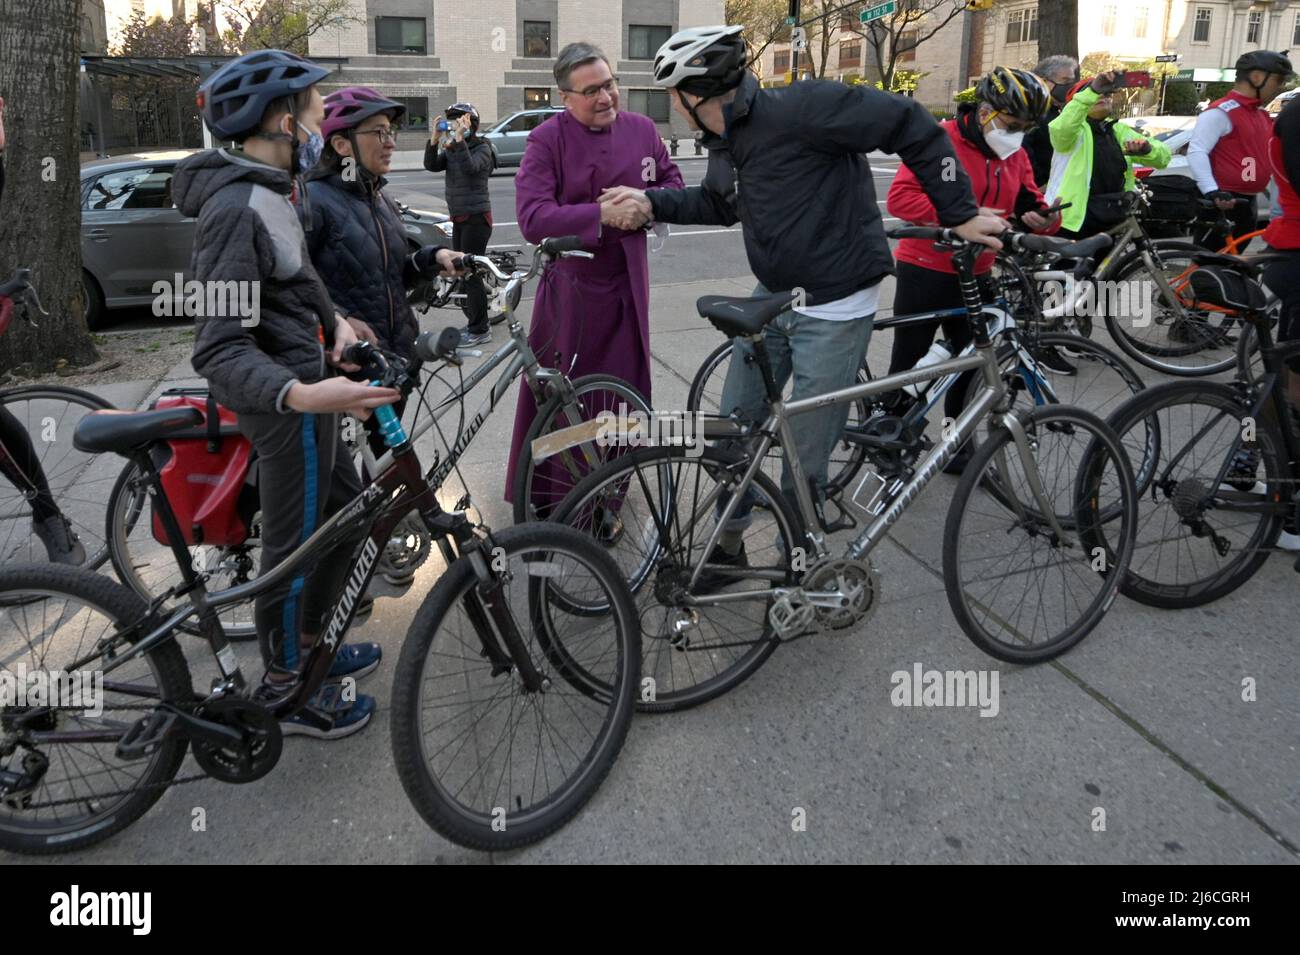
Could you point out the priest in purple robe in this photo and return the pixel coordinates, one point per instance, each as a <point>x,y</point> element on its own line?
<point>595,310</point>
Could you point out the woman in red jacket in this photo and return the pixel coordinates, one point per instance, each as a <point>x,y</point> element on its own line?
<point>987,137</point>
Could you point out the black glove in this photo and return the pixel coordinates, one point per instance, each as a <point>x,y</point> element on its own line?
<point>425,260</point>
<point>1220,194</point>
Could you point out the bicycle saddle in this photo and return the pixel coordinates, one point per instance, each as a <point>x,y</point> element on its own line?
<point>1082,249</point>
<point>741,316</point>
<point>123,431</point>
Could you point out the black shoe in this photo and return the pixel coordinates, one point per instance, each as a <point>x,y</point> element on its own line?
<point>468,338</point>
<point>957,464</point>
<point>1190,331</point>
<point>607,527</point>
<point>712,580</point>
<point>61,544</point>
<point>1051,358</point>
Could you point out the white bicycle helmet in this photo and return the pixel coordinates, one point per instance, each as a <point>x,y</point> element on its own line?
<point>703,61</point>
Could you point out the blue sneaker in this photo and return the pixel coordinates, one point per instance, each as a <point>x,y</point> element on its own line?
<point>329,716</point>
<point>356,660</point>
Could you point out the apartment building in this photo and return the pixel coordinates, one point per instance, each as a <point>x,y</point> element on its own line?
<point>498,54</point>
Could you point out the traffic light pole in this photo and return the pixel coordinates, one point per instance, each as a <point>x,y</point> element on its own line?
<point>794,49</point>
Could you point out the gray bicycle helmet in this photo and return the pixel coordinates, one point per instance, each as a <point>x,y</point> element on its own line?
<point>234,99</point>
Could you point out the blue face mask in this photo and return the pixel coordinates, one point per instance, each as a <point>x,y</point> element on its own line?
<point>309,153</point>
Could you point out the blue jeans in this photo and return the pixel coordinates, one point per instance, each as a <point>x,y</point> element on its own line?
<point>822,356</point>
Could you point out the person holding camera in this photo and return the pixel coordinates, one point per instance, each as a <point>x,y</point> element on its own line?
<point>1092,166</point>
<point>1228,153</point>
<point>455,148</point>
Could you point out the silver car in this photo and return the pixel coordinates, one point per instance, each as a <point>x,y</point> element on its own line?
<point>132,234</point>
<point>510,135</point>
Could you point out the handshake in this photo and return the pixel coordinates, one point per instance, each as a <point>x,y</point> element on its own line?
<point>624,208</point>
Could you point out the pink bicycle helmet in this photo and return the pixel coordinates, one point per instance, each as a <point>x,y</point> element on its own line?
<point>353,105</point>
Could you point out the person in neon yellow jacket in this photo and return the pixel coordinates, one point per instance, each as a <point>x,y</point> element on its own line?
<point>1094,154</point>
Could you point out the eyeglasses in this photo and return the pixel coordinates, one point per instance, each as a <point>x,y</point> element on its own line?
<point>385,135</point>
<point>591,92</point>
<point>1013,126</point>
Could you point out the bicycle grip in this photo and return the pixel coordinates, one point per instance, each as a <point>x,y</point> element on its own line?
<point>564,243</point>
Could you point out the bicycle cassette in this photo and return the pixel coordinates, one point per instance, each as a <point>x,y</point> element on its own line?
<point>407,549</point>
<point>841,591</point>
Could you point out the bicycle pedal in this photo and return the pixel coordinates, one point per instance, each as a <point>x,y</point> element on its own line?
<point>146,735</point>
<point>791,614</point>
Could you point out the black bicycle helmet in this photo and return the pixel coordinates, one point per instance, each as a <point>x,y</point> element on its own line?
<point>702,61</point>
<point>234,99</point>
<point>1016,93</point>
<point>463,109</point>
<point>1266,60</point>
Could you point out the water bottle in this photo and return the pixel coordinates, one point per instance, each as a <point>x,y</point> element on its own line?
<point>939,351</point>
<point>390,426</point>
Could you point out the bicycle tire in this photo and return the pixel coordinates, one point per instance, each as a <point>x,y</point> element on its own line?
<point>1158,357</point>
<point>82,472</point>
<point>440,809</point>
<point>1141,582</point>
<point>672,692</point>
<point>167,662</point>
<point>592,392</point>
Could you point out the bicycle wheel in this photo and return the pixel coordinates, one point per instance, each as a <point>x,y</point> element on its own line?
<point>1069,370</point>
<point>1201,342</point>
<point>705,397</point>
<point>539,488</point>
<point>1022,592</point>
<point>78,481</point>
<point>653,510</point>
<point>80,792</point>
<point>1198,539</point>
<point>149,567</point>
<point>487,763</point>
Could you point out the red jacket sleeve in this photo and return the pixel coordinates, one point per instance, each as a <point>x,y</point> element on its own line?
<point>908,201</point>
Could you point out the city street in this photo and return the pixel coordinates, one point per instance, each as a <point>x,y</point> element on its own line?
<point>1142,745</point>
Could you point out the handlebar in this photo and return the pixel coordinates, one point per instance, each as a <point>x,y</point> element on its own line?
<point>1021,241</point>
<point>18,288</point>
<point>19,282</point>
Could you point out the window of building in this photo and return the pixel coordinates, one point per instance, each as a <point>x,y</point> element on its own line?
<point>652,103</point>
<point>1295,32</point>
<point>400,35</point>
<point>848,21</point>
<point>1108,15</point>
<point>1254,24</point>
<point>906,46</point>
<point>537,38</point>
<point>417,111</point>
<point>535,96</point>
<point>1022,26</point>
<point>1201,29</point>
<point>780,61</point>
<point>643,42</point>
<point>851,53</point>
<point>1140,16</point>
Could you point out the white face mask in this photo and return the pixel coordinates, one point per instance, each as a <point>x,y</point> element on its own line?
<point>1002,141</point>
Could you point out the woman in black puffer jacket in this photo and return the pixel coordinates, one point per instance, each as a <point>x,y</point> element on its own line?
<point>467,161</point>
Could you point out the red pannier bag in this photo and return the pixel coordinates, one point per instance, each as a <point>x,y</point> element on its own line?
<point>205,474</point>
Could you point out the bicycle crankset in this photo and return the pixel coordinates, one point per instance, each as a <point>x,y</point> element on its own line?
<point>842,592</point>
<point>248,760</point>
<point>407,549</point>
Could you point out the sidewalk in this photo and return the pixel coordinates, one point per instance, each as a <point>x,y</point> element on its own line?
<point>1144,720</point>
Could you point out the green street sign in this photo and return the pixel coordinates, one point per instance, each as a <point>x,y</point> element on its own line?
<point>790,21</point>
<point>878,11</point>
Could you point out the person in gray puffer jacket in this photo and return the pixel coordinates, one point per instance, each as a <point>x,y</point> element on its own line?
<point>468,162</point>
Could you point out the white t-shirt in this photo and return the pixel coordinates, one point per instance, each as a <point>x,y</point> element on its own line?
<point>861,303</point>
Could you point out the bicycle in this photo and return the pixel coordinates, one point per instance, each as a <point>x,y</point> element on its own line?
<point>1216,495</point>
<point>147,566</point>
<point>447,291</point>
<point>480,755</point>
<point>1022,507</point>
<point>48,413</point>
<point>1169,333</point>
<point>1099,380</point>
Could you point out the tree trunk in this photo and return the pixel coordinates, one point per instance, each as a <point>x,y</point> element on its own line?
<point>40,215</point>
<point>1058,28</point>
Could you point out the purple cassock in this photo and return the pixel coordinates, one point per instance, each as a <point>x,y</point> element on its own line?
<point>596,309</point>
